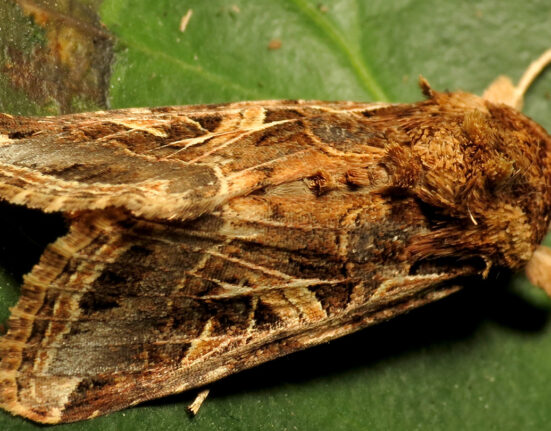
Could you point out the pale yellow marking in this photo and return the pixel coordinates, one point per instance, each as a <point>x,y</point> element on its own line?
<point>200,264</point>
<point>56,203</point>
<point>306,301</point>
<point>234,290</point>
<point>281,307</point>
<point>21,197</point>
<point>95,414</point>
<point>140,125</point>
<point>141,199</point>
<point>254,117</point>
<point>231,119</point>
<point>139,111</point>
<point>198,342</point>
<point>198,402</point>
<point>241,115</point>
<point>103,201</point>
<point>35,281</point>
<point>185,20</point>
<point>242,133</point>
<point>5,140</point>
<point>252,322</point>
<point>398,287</point>
<point>250,265</point>
<point>42,394</point>
<point>210,376</point>
<point>237,129</point>
<point>191,142</point>
<point>371,107</point>
<point>357,295</point>
<point>471,216</point>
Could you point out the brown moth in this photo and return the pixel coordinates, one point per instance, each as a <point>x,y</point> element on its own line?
<point>208,239</point>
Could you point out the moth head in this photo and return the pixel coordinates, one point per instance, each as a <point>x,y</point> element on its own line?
<point>503,92</point>
<point>499,178</point>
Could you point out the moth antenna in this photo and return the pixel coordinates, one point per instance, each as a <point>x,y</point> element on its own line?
<point>502,90</point>
<point>535,68</point>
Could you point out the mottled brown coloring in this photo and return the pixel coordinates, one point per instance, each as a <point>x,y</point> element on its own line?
<point>208,239</point>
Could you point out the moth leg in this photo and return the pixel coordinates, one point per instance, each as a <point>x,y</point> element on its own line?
<point>502,90</point>
<point>194,407</point>
<point>538,269</point>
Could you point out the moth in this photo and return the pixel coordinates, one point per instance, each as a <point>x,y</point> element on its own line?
<point>208,239</point>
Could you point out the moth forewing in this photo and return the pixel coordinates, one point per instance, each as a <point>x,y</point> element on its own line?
<point>208,239</point>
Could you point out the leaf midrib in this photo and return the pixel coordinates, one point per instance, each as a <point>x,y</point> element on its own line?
<point>197,69</point>
<point>361,69</point>
<point>348,49</point>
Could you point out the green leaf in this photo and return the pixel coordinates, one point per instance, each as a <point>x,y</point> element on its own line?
<point>478,360</point>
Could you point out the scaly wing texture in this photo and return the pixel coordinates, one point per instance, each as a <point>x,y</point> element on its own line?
<point>124,310</point>
<point>206,240</point>
<point>170,163</point>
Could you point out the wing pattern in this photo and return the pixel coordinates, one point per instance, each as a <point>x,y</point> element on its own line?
<point>205,240</point>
